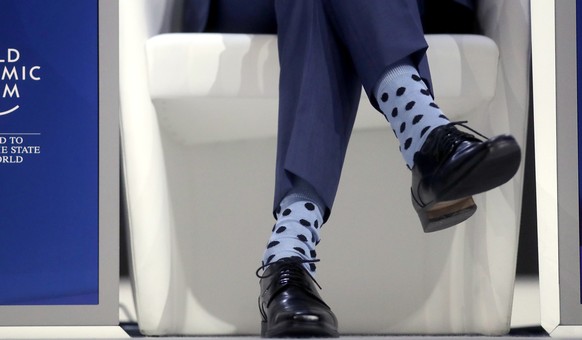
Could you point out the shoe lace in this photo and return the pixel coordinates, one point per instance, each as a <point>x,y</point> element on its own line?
<point>451,137</point>
<point>291,274</point>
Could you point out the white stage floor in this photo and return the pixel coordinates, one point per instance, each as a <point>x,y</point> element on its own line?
<point>525,322</point>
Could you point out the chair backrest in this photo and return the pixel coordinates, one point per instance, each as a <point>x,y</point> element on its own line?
<point>151,17</point>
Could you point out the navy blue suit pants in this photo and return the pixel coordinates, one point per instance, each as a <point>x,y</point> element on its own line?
<point>328,50</point>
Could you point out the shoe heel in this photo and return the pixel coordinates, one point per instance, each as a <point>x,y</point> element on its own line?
<point>442,215</point>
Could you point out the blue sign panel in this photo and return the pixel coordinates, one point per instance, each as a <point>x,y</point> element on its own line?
<point>49,152</point>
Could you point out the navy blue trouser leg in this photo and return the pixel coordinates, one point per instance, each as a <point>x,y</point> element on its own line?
<point>377,34</point>
<point>319,92</point>
<point>328,49</point>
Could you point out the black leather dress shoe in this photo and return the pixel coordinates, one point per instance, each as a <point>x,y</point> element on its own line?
<point>452,166</point>
<point>290,305</point>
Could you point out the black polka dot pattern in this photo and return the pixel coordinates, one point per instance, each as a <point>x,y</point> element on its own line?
<point>424,130</point>
<point>395,112</point>
<point>286,212</point>
<point>384,97</point>
<point>416,119</point>
<point>299,249</point>
<point>407,143</point>
<point>400,91</point>
<point>309,206</point>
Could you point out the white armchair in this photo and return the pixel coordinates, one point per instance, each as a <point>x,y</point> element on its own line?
<point>198,119</point>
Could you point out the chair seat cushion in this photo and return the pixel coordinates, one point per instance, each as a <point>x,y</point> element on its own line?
<point>225,85</point>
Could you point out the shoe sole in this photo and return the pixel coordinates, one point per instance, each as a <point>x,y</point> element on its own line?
<point>453,205</point>
<point>443,215</point>
<point>298,329</point>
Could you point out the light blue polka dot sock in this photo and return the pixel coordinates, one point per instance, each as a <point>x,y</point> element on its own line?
<point>408,105</point>
<point>296,232</point>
